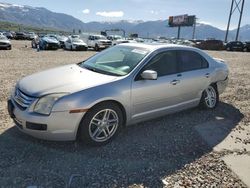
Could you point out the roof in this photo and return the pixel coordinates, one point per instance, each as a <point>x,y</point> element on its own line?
<point>155,46</point>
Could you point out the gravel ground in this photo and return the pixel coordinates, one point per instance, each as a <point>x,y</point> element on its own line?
<point>162,152</point>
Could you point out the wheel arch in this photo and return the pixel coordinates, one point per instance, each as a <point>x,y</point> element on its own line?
<point>124,114</point>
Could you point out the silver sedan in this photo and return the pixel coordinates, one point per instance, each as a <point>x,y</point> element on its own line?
<point>119,86</point>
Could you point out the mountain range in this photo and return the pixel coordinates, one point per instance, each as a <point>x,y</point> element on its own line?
<point>41,17</point>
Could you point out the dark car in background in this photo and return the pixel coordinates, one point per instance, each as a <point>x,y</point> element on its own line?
<point>49,43</point>
<point>9,35</point>
<point>210,44</point>
<point>246,46</point>
<point>20,36</point>
<point>235,46</point>
<point>60,38</point>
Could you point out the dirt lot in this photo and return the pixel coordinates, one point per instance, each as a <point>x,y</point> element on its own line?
<point>163,152</point>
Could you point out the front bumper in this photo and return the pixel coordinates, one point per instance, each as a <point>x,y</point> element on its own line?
<point>80,47</point>
<point>58,126</point>
<point>6,45</point>
<point>52,46</point>
<point>103,46</point>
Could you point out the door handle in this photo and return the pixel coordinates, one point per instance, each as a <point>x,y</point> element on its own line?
<point>207,75</point>
<point>174,82</point>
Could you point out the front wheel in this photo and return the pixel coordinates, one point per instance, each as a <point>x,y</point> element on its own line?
<point>97,48</point>
<point>101,124</point>
<point>210,97</point>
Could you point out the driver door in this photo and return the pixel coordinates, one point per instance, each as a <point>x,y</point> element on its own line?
<point>151,97</point>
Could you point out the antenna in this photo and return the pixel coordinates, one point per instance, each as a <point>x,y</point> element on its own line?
<point>239,6</point>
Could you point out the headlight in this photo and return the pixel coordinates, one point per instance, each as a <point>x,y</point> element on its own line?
<point>45,104</point>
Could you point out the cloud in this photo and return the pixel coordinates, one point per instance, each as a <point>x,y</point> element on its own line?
<point>154,12</point>
<point>86,11</point>
<point>110,14</point>
<point>203,22</point>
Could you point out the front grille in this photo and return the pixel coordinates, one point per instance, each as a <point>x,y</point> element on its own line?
<point>53,45</point>
<point>106,43</point>
<point>23,100</point>
<point>2,43</point>
<point>36,126</point>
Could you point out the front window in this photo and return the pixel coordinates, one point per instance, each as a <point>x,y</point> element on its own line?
<point>118,60</point>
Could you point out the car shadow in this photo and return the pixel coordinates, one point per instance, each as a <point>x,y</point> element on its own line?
<point>142,154</point>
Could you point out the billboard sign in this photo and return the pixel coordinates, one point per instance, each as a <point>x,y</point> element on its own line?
<point>181,20</point>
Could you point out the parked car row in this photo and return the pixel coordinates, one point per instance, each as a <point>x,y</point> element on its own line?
<point>19,35</point>
<point>220,45</point>
<point>99,42</point>
<point>73,42</point>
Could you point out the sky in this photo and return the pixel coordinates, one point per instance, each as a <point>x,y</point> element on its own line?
<point>213,12</point>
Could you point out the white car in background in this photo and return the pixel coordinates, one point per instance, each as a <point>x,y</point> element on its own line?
<point>117,39</point>
<point>98,42</point>
<point>75,44</point>
<point>5,43</point>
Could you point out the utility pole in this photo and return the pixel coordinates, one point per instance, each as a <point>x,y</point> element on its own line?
<point>235,5</point>
<point>194,28</point>
<point>179,32</point>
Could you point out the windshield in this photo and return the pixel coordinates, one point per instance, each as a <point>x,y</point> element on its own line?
<point>76,40</point>
<point>118,60</point>
<point>2,37</point>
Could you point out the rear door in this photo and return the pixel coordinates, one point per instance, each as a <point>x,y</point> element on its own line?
<point>195,74</point>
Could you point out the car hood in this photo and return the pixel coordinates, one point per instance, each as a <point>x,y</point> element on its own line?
<point>69,79</point>
<point>80,43</point>
<point>50,40</point>
<point>5,41</point>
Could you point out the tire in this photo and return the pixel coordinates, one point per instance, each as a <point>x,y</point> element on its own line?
<point>210,97</point>
<point>245,50</point>
<point>229,49</point>
<point>94,129</point>
<point>97,47</point>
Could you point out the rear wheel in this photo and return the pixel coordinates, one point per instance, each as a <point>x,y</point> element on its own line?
<point>210,97</point>
<point>101,124</point>
<point>228,49</point>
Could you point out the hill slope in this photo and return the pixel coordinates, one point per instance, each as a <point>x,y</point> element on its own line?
<point>41,17</point>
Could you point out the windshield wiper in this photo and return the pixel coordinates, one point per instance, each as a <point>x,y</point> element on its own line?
<point>92,69</point>
<point>100,71</point>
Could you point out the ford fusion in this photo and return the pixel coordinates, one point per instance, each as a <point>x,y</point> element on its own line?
<point>119,86</point>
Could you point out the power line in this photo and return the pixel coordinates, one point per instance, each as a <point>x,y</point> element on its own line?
<point>239,6</point>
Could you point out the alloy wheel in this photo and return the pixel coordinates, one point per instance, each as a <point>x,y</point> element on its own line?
<point>103,125</point>
<point>210,97</point>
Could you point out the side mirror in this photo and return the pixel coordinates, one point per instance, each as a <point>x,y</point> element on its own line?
<point>149,75</point>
